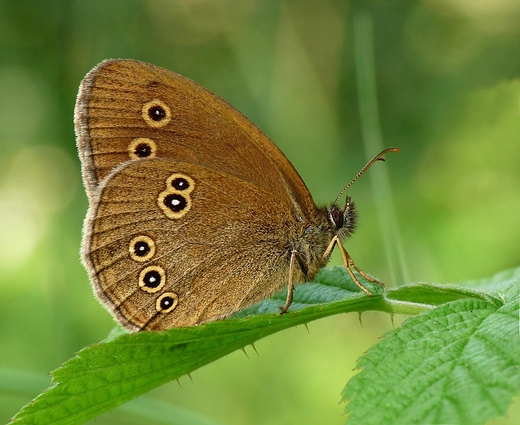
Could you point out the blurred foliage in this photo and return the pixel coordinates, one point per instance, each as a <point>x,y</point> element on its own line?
<point>446,74</point>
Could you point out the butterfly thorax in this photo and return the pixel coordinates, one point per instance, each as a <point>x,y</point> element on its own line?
<point>316,236</point>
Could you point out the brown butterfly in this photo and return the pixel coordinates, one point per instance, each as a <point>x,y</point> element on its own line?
<point>194,213</point>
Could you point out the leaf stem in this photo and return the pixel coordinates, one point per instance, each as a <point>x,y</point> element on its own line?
<point>405,307</point>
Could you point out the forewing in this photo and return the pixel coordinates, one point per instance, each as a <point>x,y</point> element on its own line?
<point>128,109</point>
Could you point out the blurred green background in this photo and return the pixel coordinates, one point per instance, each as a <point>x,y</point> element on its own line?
<point>443,210</point>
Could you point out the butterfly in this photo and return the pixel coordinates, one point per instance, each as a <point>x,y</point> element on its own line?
<point>194,212</point>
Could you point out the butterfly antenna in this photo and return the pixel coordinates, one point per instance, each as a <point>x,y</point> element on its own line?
<point>378,157</point>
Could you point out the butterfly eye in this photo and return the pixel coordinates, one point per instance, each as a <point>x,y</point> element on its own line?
<point>336,217</point>
<point>156,113</point>
<point>142,148</point>
<point>167,302</point>
<point>152,279</point>
<point>141,248</point>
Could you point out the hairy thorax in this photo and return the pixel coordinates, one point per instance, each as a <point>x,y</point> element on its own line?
<point>310,245</point>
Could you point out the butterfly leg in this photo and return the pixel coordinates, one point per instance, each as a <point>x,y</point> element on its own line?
<point>290,287</point>
<point>362,273</point>
<point>348,263</point>
<point>331,246</point>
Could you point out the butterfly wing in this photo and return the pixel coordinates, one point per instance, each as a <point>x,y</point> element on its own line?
<point>171,243</point>
<point>128,109</point>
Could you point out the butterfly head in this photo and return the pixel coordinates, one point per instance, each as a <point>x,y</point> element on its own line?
<point>343,220</point>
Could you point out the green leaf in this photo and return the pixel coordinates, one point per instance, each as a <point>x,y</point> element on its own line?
<point>108,374</point>
<point>456,364</point>
<point>430,293</point>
